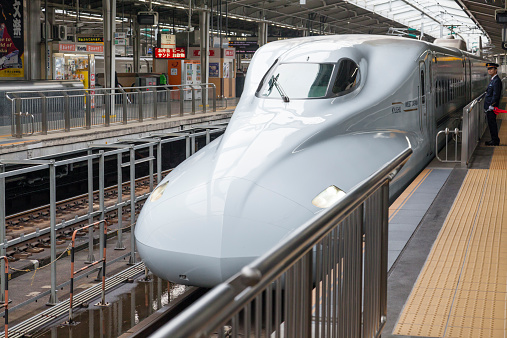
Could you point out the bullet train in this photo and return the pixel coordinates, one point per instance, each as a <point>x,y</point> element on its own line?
<point>317,116</point>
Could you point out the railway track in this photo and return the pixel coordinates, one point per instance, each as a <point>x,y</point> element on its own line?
<point>37,220</point>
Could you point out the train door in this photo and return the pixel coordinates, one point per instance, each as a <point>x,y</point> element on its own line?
<point>424,121</point>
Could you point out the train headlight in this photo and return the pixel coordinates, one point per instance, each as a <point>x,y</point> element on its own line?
<point>158,192</point>
<point>328,197</point>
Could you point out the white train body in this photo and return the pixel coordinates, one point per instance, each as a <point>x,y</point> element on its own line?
<point>249,189</point>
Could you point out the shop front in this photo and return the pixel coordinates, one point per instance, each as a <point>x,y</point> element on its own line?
<point>75,61</point>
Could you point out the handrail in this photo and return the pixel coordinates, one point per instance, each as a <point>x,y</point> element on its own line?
<point>211,85</point>
<point>228,298</point>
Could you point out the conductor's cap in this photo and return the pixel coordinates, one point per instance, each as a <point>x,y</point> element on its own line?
<point>492,65</point>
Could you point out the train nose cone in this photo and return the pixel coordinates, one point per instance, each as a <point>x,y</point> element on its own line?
<point>207,234</point>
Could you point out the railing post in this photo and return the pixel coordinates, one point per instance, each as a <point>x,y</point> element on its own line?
<point>119,241</point>
<point>88,112</point>
<point>132,259</point>
<point>204,95</point>
<point>66,112</point>
<point>103,239</point>
<point>159,161</point>
<point>17,118</point>
<point>71,294</point>
<point>140,103</point>
<point>53,299</point>
<point>155,103</point>
<point>44,114</point>
<point>125,107</point>
<point>91,257</point>
<point>168,93</point>
<point>214,98</point>
<point>109,106</point>
<point>181,100</point>
<point>192,90</point>
<point>5,294</point>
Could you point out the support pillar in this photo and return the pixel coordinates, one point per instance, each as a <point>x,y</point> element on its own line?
<point>109,15</point>
<point>263,33</point>
<point>204,21</point>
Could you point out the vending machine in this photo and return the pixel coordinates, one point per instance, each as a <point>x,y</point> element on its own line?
<point>191,75</point>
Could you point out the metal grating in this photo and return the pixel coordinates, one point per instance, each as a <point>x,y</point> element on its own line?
<point>462,289</point>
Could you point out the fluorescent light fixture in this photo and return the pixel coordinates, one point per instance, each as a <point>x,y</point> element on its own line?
<point>158,192</point>
<point>328,197</point>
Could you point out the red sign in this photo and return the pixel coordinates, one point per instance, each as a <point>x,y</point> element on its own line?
<point>95,48</point>
<point>229,52</point>
<point>197,52</point>
<point>170,53</point>
<point>65,47</point>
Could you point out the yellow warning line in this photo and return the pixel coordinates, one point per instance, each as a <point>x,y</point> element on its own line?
<point>462,289</point>
<point>405,196</point>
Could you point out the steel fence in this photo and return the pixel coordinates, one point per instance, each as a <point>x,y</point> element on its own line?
<point>328,279</point>
<point>56,110</point>
<point>124,154</point>
<point>474,124</point>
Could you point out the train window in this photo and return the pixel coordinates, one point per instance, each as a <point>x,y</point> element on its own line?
<point>347,77</point>
<point>298,80</point>
<point>423,92</point>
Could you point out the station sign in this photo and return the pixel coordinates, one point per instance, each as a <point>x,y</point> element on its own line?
<point>79,48</point>
<point>90,39</point>
<point>170,53</point>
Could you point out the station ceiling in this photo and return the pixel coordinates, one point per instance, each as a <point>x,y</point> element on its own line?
<point>286,18</point>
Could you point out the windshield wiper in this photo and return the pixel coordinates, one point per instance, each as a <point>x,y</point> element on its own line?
<point>274,81</point>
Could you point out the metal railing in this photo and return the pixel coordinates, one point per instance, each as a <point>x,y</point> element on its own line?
<point>58,110</point>
<point>456,135</point>
<point>474,124</point>
<point>126,153</point>
<point>104,224</point>
<point>328,279</point>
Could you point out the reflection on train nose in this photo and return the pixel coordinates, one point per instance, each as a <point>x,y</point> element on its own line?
<point>206,235</point>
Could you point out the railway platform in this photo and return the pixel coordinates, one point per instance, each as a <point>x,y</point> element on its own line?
<point>450,278</point>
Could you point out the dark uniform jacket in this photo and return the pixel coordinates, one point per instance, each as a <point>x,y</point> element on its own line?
<point>493,93</point>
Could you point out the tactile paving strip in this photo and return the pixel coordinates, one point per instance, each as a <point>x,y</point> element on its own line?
<point>462,289</point>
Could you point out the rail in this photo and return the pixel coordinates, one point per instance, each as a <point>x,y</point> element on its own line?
<point>474,124</point>
<point>103,241</point>
<point>329,278</point>
<point>63,110</point>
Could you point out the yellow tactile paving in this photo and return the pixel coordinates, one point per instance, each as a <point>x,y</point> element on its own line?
<point>403,198</point>
<point>462,289</point>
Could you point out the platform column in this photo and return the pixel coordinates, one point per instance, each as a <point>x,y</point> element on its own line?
<point>109,15</point>
<point>263,33</point>
<point>204,16</point>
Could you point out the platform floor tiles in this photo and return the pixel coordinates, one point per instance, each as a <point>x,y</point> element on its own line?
<point>462,289</point>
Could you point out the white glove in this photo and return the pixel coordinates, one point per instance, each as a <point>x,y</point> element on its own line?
<point>2,60</point>
<point>491,108</point>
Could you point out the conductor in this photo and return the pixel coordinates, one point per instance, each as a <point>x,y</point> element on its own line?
<point>492,99</point>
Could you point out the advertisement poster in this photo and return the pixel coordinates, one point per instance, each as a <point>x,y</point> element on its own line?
<point>214,69</point>
<point>11,38</point>
<point>226,70</point>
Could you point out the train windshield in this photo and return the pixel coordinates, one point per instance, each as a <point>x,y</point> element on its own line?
<point>299,81</point>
